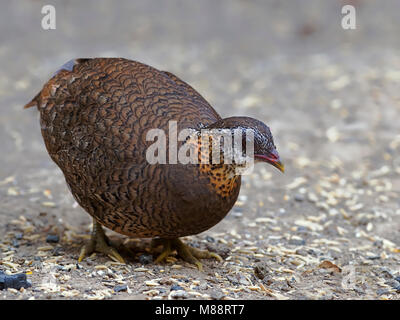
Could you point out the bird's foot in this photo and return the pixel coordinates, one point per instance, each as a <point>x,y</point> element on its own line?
<point>187,253</point>
<point>99,243</point>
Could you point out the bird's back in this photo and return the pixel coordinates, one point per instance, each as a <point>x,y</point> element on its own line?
<point>117,100</point>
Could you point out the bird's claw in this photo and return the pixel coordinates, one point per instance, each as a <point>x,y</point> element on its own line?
<point>99,243</point>
<point>187,253</point>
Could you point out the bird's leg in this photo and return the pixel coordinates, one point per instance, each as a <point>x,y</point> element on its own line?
<point>99,243</point>
<point>166,249</point>
<point>187,253</point>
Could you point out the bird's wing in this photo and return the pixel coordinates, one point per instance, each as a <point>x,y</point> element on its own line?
<point>95,114</point>
<point>87,133</point>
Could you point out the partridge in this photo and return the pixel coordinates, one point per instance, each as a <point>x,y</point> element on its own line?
<point>96,115</point>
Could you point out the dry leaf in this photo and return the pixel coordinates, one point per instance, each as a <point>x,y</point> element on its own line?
<point>329,265</point>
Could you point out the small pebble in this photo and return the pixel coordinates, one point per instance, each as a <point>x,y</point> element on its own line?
<point>380,292</point>
<point>261,270</point>
<point>145,259</point>
<point>15,281</point>
<point>378,243</point>
<point>176,287</point>
<point>19,236</point>
<point>210,239</point>
<point>58,251</point>
<point>121,288</point>
<point>178,294</point>
<point>387,273</point>
<point>52,238</point>
<point>313,253</point>
<point>297,242</point>
<point>232,280</point>
<point>301,252</point>
<point>299,197</point>
<point>394,284</point>
<point>237,214</point>
<point>216,295</point>
<point>301,229</point>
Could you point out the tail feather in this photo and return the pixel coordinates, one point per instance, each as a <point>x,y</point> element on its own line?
<point>34,102</point>
<point>43,95</point>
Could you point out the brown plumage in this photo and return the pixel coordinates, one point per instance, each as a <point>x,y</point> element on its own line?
<point>95,114</point>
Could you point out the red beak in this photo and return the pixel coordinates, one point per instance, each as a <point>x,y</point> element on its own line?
<point>272,158</point>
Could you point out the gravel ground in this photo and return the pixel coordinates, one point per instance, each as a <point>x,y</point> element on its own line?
<point>327,229</point>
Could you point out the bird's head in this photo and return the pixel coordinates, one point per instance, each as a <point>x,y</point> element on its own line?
<point>264,147</point>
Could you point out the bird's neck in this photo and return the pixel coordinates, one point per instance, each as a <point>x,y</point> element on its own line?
<point>216,162</point>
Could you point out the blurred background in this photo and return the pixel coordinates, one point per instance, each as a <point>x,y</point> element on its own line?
<point>330,96</point>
